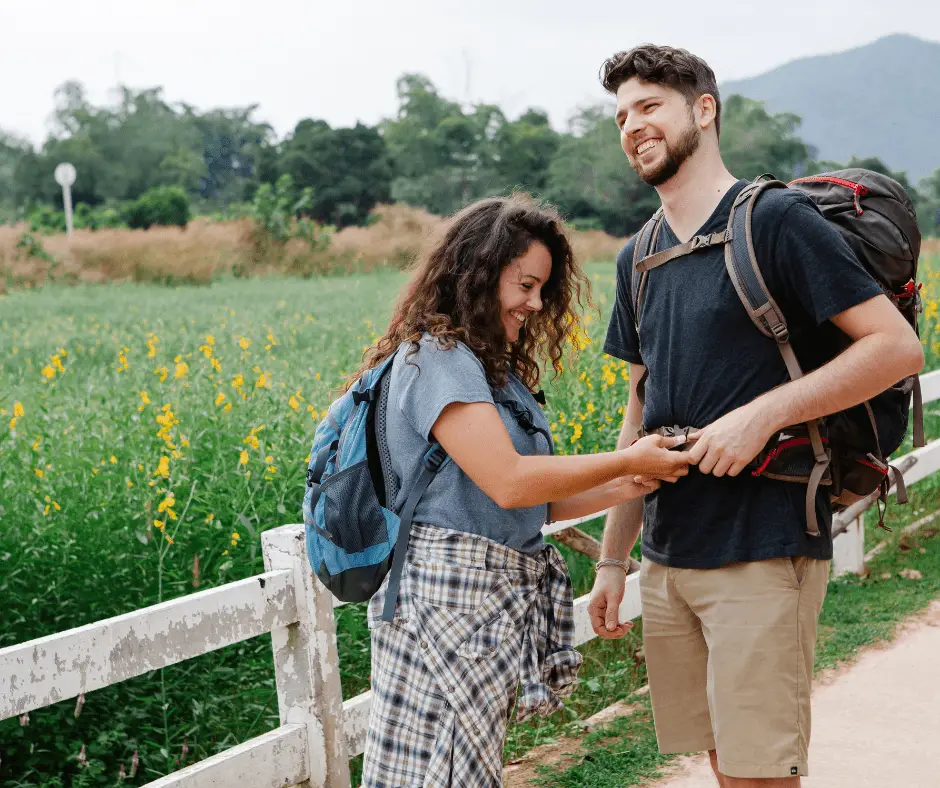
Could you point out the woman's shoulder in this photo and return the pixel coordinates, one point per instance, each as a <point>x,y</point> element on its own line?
<point>438,354</point>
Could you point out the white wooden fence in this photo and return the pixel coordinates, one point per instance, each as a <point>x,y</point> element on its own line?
<point>319,731</point>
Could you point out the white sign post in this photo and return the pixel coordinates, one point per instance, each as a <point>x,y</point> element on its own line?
<point>65,177</point>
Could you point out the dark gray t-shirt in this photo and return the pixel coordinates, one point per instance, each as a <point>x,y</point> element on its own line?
<point>415,400</point>
<point>705,358</point>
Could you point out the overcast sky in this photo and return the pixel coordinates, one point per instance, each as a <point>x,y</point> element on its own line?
<point>338,60</point>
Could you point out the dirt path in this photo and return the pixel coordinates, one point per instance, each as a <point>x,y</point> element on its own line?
<point>876,721</point>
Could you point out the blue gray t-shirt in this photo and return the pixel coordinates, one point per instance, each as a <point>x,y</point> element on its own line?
<point>415,400</point>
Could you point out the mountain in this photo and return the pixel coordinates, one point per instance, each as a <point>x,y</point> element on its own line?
<point>881,99</point>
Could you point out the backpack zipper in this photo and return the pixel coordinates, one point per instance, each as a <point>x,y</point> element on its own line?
<point>856,188</point>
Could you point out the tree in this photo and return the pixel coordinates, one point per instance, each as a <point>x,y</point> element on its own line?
<point>524,150</point>
<point>928,212</point>
<point>444,156</point>
<point>347,170</point>
<point>589,176</point>
<point>754,142</point>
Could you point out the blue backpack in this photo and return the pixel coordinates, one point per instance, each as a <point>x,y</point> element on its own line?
<point>353,538</point>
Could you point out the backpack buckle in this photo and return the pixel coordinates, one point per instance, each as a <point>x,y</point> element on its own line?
<point>699,241</point>
<point>781,332</point>
<point>434,458</point>
<point>363,396</point>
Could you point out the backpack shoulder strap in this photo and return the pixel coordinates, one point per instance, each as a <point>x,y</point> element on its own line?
<point>645,243</point>
<point>741,262</point>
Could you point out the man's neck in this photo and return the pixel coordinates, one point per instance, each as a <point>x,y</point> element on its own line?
<point>693,193</point>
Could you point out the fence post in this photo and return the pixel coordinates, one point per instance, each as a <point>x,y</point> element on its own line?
<point>306,662</point>
<point>848,548</point>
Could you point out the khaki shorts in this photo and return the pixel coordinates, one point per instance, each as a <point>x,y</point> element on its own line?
<point>729,654</point>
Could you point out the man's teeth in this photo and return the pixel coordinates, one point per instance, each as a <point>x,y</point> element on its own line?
<point>647,145</point>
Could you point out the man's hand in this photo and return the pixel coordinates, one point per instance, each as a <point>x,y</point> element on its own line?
<point>726,446</point>
<point>604,606</point>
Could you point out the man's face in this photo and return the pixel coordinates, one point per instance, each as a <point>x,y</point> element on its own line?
<point>658,131</point>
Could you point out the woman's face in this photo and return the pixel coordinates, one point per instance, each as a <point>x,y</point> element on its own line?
<point>520,287</point>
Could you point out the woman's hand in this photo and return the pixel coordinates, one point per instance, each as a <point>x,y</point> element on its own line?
<point>653,457</point>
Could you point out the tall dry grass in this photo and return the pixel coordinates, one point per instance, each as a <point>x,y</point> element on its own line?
<point>205,250</point>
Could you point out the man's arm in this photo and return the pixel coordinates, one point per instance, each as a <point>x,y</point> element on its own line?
<point>620,533</point>
<point>884,350</point>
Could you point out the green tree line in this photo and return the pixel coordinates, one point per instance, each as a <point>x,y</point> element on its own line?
<point>435,153</point>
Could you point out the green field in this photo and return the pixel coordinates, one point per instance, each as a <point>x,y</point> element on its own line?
<point>147,436</point>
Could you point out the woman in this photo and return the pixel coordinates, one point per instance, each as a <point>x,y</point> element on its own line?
<point>484,603</point>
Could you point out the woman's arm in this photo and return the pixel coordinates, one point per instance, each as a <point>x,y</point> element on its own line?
<point>476,439</point>
<point>602,497</point>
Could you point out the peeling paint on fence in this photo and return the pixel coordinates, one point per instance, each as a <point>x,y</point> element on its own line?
<point>44,671</point>
<point>273,760</point>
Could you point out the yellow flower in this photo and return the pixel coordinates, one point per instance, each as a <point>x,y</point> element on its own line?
<point>210,340</point>
<point>39,472</point>
<point>48,372</point>
<point>244,342</point>
<point>220,398</point>
<point>243,458</point>
<point>18,411</point>
<point>215,364</point>
<point>159,524</point>
<point>236,536</point>
<point>163,467</point>
<point>262,381</point>
<point>144,399</point>
<point>181,369</point>
<point>36,444</point>
<point>113,459</point>
<point>210,517</point>
<point>590,407</point>
<point>129,484</point>
<point>162,372</point>
<point>272,469</point>
<point>294,402</point>
<point>228,407</point>
<point>57,363</point>
<point>168,538</point>
<point>166,503</point>
<point>576,432</point>
<point>56,506</point>
<point>238,381</point>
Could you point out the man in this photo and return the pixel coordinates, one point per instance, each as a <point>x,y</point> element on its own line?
<point>731,583</point>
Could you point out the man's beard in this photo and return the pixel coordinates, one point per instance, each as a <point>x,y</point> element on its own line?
<point>685,146</point>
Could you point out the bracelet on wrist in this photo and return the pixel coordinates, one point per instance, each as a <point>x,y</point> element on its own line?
<point>624,565</point>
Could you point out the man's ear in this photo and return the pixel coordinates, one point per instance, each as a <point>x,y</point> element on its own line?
<point>706,110</point>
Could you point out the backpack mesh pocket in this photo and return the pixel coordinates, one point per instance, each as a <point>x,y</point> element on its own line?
<point>352,516</point>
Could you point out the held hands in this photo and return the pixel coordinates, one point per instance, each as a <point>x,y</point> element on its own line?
<point>652,457</point>
<point>726,446</point>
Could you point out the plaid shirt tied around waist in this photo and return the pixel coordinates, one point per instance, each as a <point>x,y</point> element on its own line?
<point>474,620</point>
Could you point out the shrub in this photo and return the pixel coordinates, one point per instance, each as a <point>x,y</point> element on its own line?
<point>163,205</point>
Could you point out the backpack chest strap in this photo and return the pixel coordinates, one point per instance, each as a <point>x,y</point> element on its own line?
<point>692,245</point>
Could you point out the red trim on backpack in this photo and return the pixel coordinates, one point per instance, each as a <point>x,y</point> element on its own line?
<point>883,471</point>
<point>776,453</point>
<point>857,188</point>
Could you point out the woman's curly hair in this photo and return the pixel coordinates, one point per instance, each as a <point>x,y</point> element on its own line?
<point>454,293</point>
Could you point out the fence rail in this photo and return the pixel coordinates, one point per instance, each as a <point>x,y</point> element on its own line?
<point>319,731</point>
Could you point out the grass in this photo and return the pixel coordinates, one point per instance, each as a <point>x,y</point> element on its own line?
<point>148,434</point>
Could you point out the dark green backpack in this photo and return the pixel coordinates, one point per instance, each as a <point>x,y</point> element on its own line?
<point>847,451</point>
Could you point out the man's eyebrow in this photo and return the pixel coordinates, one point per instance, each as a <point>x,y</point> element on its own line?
<point>639,102</point>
